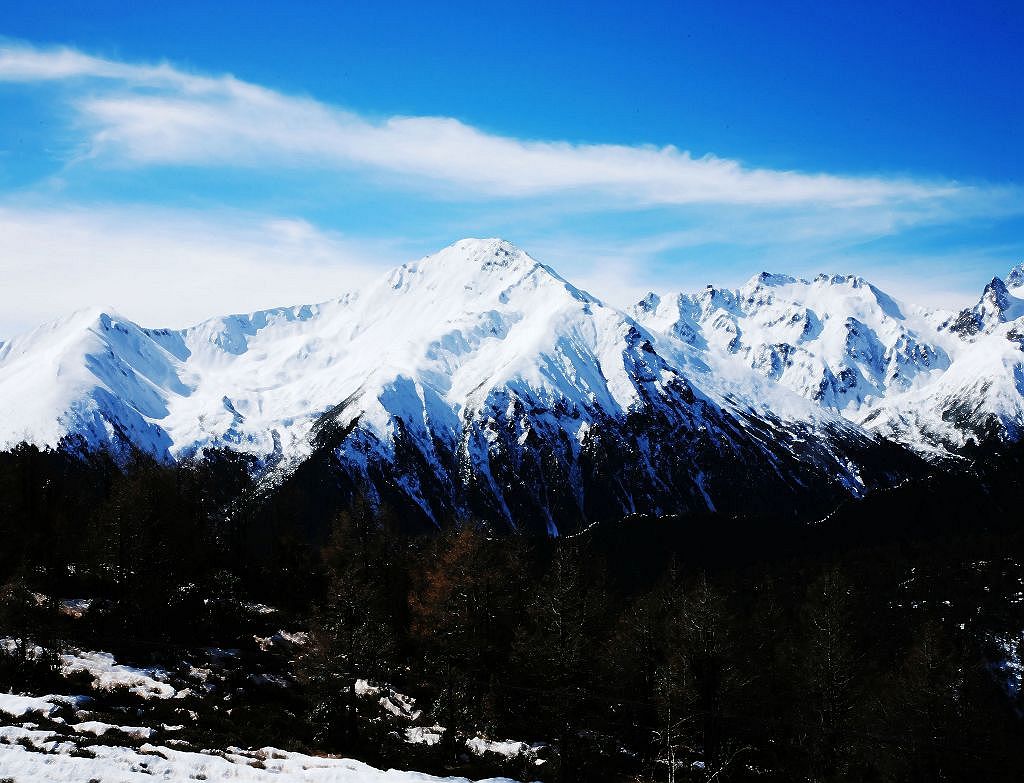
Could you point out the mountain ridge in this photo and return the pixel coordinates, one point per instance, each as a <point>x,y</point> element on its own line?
<point>907,371</point>
<point>478,382</point>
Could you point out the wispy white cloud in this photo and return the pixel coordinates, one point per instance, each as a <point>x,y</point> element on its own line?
<point>170,267</point>
<point>173,266</point>
<point>159,114</point>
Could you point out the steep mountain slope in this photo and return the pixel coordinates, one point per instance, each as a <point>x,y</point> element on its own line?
<point>935,380</point>
<point>472,382</point>
<point>980,398</point>
<point>838,341</point>
<point>94,377</point>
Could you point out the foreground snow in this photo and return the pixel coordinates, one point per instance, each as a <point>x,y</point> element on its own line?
<point>21,706</point>
<point>29,755</point>
<point>106,674</point>
<point>78,737</point>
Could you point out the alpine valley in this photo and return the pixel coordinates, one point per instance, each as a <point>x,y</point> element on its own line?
<point>477,383</point>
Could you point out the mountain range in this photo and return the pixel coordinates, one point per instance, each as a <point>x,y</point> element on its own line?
<point>479,383</point>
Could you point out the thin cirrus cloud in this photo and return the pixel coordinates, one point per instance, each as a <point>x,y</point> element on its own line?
<point>159,114</point>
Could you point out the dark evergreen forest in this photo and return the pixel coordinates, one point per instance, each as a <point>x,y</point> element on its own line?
<point>877,644</point>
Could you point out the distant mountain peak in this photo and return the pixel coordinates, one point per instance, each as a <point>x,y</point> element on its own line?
<point>492,253</point>
<point>492,246</point>
<point>996,306</point>
<point>649,304</point>
<point>1015,277</point>
<point>771,279</point>
<point>474,267</point>
<point>996,296</point>
<point>854,281</point>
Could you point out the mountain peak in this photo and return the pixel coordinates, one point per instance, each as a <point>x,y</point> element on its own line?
<point>854,281</point>
<point>770,279</point>
<point>493,253</point>
<point>1015,277</point>
<point>485,245</point>
<point>479,267</point>
<point>86,318</point>
<point>649,303</point>
<point>995,299</point>
<point>991,310</point>
<point>471,256</point>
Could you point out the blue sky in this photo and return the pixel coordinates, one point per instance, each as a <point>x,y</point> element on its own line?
<point>178,161</point>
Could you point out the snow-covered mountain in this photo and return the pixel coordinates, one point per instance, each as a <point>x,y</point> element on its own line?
<point>932,379</point>
<point>475,382</point>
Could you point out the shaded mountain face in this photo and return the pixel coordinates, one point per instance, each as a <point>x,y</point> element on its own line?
<point>478,383</point>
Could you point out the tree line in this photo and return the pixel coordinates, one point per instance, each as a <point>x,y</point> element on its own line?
<point>870,647</point>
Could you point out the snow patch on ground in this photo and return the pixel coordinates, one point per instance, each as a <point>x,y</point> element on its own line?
<point>98,729</point>
<point>48,759</point>
<point>46,706</point>
<point>398,704</point>
<point>107,675</point>
<point>424,735</point>
<point>506,748</point>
